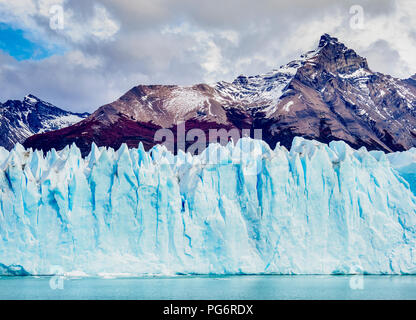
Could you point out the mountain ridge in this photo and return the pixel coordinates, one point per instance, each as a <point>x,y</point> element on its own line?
<point>329,93</point>
<point>20,119</point>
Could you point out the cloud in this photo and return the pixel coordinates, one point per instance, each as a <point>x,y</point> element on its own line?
<point>99,26</point>
<point>88,22</point>
<point>111,46</point>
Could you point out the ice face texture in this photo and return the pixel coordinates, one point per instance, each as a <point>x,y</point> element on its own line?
<point>318,209</point>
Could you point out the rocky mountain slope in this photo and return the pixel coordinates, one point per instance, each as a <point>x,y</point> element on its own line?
<point>330,93</point>
<point>22,119</point>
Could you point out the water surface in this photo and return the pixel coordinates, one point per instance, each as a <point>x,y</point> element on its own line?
<point>205,287</point>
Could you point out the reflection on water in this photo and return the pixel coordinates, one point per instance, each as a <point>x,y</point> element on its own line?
<point>233,287</point>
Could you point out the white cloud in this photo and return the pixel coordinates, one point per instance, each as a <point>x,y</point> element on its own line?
<point>112,46</point>
<point>204,45</point>
<point>99,26</point>
<point>29,15</point>
<point>77,57</point>
<point>230,35</point>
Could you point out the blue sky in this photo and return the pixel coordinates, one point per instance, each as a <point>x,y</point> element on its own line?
<point>15,42</point>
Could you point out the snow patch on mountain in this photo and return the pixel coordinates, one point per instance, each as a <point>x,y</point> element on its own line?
<point>266,88</point>
<point>287,106</point>
<point>188,99</point>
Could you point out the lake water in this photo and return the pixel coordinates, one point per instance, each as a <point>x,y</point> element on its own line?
<point>233,287</point>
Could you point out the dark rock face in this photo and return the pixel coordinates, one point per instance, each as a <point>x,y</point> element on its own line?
<point>84,133</point>
<point>412,81</point>
<point>328,94</point>
<point>13,270</point>
<point>21,119</point>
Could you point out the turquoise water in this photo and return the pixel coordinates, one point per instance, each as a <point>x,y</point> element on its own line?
<point>233,287</point>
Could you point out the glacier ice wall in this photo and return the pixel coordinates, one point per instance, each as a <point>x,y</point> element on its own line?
<point>317,209</point>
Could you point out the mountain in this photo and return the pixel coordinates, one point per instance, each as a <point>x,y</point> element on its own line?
<point>22,119</point>
<point>412,80</point>
<point>328,94</point>
<point>318,209</point>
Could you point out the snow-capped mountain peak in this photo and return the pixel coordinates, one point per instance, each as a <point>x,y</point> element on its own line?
<point>328,93</point>
<point>327,39</point>
<point>330,56</point>
<point>22,119</point>
<point>31,99</point>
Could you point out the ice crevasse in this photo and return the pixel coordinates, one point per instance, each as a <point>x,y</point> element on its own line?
<point>316,209</point>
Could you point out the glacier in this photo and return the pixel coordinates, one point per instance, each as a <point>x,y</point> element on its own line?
<point>242,208</point>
